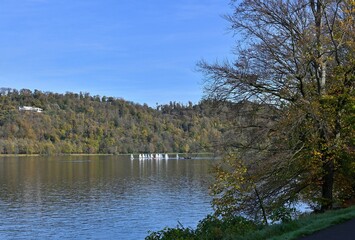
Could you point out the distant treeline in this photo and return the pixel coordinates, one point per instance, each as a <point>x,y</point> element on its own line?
<point>80,123</point>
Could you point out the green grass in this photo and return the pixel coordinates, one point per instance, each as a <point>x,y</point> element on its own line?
<point>303,226</point>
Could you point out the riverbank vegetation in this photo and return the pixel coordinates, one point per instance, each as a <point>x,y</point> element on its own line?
<point>294,63</point>
<point>238,228</point>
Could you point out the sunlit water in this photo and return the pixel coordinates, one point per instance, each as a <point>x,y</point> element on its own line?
<point>99,197</point>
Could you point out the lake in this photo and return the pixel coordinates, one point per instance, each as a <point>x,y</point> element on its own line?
<point>100,197</point>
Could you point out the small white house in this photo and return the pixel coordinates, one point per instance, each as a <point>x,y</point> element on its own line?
<point>27,108</point>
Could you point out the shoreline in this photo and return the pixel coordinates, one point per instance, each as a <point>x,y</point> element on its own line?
<point>90,154</point>
<point>49,155</point>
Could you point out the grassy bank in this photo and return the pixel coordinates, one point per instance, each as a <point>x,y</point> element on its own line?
<point>303,226</point>
<point>242,229</point>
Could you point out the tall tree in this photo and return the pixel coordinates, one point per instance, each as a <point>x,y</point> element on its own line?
<point>297,58</point>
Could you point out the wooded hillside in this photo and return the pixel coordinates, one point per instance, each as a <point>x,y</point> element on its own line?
<point>80,123</point>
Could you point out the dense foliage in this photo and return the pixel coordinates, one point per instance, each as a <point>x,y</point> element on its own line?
<point>210,228</point>
<point>238,228</point>
<point>80,123</point>
<point>297,57</point>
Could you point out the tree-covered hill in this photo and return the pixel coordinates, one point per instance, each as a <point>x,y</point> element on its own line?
<point>80,123</point>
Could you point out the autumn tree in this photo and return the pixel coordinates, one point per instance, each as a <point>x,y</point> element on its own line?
<point>294,62</point>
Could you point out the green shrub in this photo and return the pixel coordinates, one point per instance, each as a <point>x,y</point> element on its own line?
<point>215,228</point>
<point>210,228</point>
<point>178,233</point>
<point>283,214</point>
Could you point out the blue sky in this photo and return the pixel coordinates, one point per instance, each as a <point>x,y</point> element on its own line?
<point>143,51</point>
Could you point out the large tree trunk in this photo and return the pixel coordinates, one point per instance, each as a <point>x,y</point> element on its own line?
<point>328,163</point>
<point>327,184</point>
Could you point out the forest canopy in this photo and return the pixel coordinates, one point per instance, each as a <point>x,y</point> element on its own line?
<point>81,123</point>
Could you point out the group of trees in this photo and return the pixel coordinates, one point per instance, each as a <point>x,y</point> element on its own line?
<point>295,62</point>
<point>80,123</point>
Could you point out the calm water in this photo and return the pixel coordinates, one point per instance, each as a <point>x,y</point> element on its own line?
<point>99,197</point>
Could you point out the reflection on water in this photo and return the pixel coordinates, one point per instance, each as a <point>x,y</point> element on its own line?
<point>99,197</point>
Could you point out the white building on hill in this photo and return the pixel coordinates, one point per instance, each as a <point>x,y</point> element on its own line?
<point>27,108</point>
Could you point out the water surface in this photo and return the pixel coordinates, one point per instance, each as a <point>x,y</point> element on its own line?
<point>99,197</point>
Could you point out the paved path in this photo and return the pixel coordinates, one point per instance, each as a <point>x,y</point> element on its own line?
<point>343,231</point>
